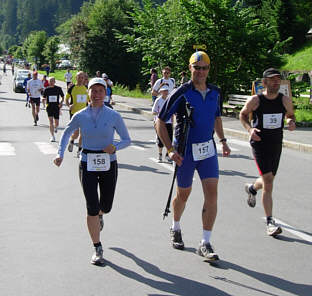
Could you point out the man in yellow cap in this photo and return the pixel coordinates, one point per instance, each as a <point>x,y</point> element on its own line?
<point>200,148</point>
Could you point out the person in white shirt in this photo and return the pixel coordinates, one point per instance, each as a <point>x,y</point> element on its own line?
<point>166,79</point>
<point>159,103</point>
<point>109,91</point>
<point>68,77</point>
<point>34,89</point>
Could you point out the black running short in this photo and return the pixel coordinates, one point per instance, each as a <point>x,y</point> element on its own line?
<point>53,111</point>
<point>267,156</point>
<point>106,181</point>
<point>35,101</point>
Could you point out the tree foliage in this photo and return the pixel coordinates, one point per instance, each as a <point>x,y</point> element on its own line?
<point>50,51</point>
<point>34,46</point>
<point>94,45</point>
<point>239,44</point>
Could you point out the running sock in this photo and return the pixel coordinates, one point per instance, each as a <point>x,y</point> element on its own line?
<point>176,225</point>
<point>97,244</point>
<point>268,219</point>
<point>252,190</point>
<point>206,236</point>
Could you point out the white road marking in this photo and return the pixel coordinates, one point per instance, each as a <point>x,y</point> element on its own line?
<point>239,142</point>
<point>168,166</point>
<point>137,147</point>
<point>46,148</point>
<point>293,230</point>
<point>7,149</point>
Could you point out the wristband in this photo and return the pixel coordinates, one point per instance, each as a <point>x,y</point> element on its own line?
<point>170,150</point>
<point>223,140</point>
<point>114,147</point>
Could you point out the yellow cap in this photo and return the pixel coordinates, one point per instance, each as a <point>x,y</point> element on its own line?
<point>199,56</point>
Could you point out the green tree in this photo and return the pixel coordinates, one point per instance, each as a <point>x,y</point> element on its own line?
<point>35,46</point>
<point>239,44</point>
<point>50,51</point>
<point>95,46</point>
<point>19,53</point>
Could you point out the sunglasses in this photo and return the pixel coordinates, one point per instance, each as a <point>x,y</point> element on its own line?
<point>197,68</point>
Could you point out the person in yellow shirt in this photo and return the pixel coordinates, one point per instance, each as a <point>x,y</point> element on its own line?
<point>76,99</point>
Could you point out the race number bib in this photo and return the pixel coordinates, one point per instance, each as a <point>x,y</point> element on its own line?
<point>52,99</point>
<point>98,162</point>
<point>81,98</point>
<point>272,121</point>
<point>203,150</point>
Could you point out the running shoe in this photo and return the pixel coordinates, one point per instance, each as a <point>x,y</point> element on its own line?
<point>70,146</point>
<point>101,222</point>
<point>97,257</point>
<point>176,239</point>
<point>251,199</point>
<point>206,250</point>
<point>52,139</point>
<point>168,159</point>
<point>272,228</point>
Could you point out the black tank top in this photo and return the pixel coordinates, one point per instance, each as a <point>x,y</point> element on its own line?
<point>269,118</point>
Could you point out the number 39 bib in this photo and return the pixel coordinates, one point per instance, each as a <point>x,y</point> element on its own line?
<point>272,121</point>
<point>203,150</point>
<point>98,162</point>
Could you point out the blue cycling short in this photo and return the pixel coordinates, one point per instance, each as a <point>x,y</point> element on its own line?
<point>207,168</point>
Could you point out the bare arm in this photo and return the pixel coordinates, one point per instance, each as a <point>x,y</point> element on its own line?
<point>251,105</point>
<point>290,114</point>
<point>219,131</point>
<point>163,135</point>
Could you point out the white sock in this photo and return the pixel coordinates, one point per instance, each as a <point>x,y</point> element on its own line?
<point>206,236</point>
<point>176,225</point>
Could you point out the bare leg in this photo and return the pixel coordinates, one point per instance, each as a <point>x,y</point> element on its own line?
<point>209,214</point>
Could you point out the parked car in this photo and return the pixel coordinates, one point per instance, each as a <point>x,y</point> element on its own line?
<point>18,80</point>
<point>64,64</point>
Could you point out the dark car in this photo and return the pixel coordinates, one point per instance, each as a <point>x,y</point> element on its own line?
<point>18,80</point>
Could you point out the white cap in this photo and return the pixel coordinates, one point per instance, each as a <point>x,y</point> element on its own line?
<point>96,80</point>
<point>164,87</point>
<point>104,75</point>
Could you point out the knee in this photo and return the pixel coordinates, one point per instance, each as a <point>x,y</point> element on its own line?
<point>93,211</point>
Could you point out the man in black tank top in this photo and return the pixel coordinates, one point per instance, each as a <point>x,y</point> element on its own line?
<point>266,135</point>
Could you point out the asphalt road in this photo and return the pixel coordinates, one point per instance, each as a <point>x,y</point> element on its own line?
<point>46,249</point>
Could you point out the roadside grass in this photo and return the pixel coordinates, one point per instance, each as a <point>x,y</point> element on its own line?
<point>301,60</point>
<point>122,90</point>
<point>59,74</point>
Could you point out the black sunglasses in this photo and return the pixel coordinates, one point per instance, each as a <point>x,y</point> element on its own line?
<point>197,68</point>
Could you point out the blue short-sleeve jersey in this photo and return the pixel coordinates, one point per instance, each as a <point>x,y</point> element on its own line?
<point>204,114</point>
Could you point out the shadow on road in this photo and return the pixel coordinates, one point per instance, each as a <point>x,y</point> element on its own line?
<point>170,283</point>
<point>235,173</point>
<point>274,281</point>
<point>142,168</point>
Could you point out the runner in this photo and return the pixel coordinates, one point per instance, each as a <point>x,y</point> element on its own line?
<point>68,77</point>
<point>34,88</point>
<point>109,91</point>
<point>200,152</point>
<point>98,166</point>
<point>25,87</point>
<point>76,99</point>
<point>266,135</point>
<point>52,95</point>
<point>159,103</point>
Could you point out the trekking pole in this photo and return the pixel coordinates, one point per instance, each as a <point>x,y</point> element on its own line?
<point>186,128</point>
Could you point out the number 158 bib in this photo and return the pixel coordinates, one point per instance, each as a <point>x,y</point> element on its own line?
<point>98,162</point>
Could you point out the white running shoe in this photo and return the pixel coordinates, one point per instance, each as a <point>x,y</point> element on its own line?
<point>251,199</point>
